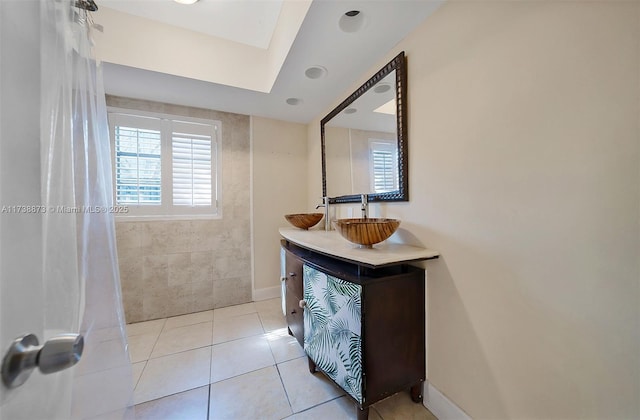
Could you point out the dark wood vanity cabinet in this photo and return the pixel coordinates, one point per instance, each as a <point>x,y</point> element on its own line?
<point>364,328</point>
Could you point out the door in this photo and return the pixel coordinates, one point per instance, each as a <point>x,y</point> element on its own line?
<point>57,270</point>
<point>333,329</point>
<point>22,295</point>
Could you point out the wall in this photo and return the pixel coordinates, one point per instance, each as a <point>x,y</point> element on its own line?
<point>524,173</point>
<point>347,158</point>
<point>279,156</point>
<point>174,267</point>
<point>338,162</point>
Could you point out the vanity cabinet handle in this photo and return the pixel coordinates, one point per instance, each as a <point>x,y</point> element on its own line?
<point>293,311</point>
<point>292,274</point>
<point>302,303</point>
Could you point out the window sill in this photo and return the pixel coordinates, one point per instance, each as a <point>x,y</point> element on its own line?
<point>160,218</point>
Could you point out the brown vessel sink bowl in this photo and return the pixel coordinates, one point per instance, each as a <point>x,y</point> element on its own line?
<point>304,220</point>
<point>366,232</point>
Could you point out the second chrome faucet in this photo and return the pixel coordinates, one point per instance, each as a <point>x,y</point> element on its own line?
<point>364,205</point>
<point>364,208</point>
<point>327,220</point>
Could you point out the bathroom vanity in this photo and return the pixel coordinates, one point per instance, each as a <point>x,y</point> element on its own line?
<point>358,313</point>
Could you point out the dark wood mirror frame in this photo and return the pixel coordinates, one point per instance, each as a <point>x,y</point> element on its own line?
<point>402,194</point>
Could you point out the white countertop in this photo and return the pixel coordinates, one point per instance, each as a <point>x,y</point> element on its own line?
<point>331,243</point>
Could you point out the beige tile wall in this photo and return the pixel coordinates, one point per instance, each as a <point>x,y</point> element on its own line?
<point>172,267</point>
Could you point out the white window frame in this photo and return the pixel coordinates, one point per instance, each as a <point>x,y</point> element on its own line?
<point>164,122</point>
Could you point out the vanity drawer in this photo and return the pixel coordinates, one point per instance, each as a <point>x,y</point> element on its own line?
<point>293,266</point>
<point>294,316</point>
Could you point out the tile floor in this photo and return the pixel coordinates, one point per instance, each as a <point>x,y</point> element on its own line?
<point>237,363</point>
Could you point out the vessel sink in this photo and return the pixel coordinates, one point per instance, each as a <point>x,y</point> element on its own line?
<point>303,220</point>
<point>366,232</point>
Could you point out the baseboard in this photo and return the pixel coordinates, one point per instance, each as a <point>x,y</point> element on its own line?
<point>266,293</point>
<point>441,406</point>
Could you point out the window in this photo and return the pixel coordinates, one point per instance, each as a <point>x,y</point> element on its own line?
<point>383,165</point>
<point>165,166</point>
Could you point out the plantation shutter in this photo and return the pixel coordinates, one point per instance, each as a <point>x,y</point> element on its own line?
<point>384,167</point>
<point>138,161</point>
<point>193,164</point>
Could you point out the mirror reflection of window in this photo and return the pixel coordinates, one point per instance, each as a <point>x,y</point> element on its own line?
<point>383,165</point>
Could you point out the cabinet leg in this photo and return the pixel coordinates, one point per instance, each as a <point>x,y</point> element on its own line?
<point>312,365</point>
<point>416,393</point>
<point>289,331</point>
<point>363,413</point>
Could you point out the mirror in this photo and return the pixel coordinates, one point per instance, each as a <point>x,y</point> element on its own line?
<point>364,140</point>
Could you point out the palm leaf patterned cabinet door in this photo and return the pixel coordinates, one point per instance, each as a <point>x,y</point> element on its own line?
<point>332,328</point>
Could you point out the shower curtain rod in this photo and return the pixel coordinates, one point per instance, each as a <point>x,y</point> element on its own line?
<point>89,5</point>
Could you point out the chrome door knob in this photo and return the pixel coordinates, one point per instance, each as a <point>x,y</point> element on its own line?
<point>302,303</point>
<point>25,353</point>
<point>61,352</point>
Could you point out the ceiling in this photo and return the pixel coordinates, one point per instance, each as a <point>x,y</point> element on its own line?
<point>249,22</point>
<point>310,35</point>
<point>374,110</point>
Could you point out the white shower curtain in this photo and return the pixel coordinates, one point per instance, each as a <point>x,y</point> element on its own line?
<point>79,244</point>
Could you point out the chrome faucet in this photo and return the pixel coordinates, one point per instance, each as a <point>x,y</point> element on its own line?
<point>364,206</point>
<point>325,204</point>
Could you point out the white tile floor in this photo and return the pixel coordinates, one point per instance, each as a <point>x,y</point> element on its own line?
<point>237,363</point>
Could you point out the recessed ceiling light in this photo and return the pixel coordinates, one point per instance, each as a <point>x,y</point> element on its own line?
<point>294,101</point>
<point>350,111</point>
<point>186,1</point>
<point>352,21</point>
<point>382,88</point>
<point>315,72</point>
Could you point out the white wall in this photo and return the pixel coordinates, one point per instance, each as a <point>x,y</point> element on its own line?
<point>338,160</point>
<point>279,179</point>
<point>524,170</point>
